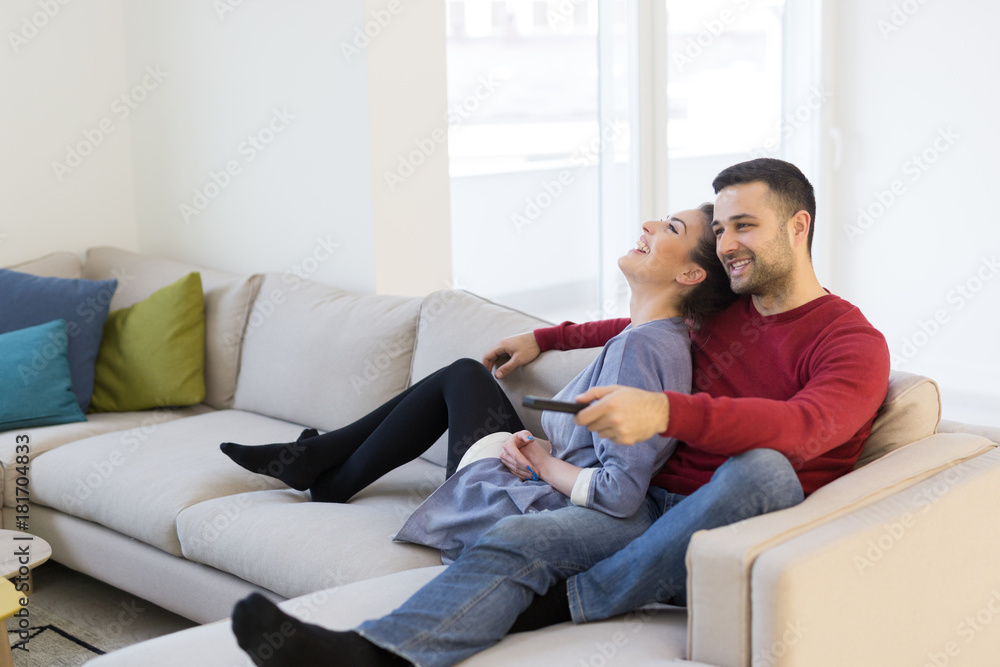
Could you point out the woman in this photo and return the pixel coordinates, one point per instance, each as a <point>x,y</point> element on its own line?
<point>673,274</point>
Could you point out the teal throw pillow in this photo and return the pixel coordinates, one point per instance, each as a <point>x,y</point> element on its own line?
<point>35,384</point>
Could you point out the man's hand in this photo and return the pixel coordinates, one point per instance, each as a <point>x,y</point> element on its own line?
<point>517,350</point>
<point>624,414</point>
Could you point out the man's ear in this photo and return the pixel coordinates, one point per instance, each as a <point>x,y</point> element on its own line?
<point>694,275</point>
<point>798,228</point>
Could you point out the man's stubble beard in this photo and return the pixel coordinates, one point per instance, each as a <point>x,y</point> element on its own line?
<point>773,276</point>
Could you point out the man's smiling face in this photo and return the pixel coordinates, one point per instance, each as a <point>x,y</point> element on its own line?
<point>752,240</point>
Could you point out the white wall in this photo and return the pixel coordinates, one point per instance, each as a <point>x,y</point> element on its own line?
<point>928,86</point>
<point>331,111</point>
<point>56,83</point>
<point>274,71</point>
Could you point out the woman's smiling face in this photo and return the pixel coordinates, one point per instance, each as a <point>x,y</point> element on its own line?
<point>665,247</point>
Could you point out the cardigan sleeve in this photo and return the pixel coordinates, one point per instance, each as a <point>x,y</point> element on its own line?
<point>649,360</point>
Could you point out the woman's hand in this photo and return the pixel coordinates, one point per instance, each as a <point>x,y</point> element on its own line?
<point>517,350</point>
<point>515,460</point>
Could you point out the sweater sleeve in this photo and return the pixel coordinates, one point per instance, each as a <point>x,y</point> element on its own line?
<point>653,361</point>
<point>570,336</point>
<point>849,378</point>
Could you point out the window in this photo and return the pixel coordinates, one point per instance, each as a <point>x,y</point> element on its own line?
<point>532,118</point>
<point>550,179</point>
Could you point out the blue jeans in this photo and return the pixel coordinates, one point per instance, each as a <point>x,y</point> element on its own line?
<point>613,565</point>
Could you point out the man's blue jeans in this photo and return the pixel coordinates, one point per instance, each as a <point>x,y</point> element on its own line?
<point>613,565</point>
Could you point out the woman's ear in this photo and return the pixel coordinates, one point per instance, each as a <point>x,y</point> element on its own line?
<point>694,275</point>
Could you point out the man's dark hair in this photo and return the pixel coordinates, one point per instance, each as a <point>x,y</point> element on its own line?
<point>713,294</point>
<point>791,191</point>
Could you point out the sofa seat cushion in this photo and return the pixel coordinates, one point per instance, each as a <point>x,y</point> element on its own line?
<point>130,426</point>
<point>643,639</point>
<point>282,541</point>
<point>322,356</point>
<point>228,302</point>
<point>138,487</point>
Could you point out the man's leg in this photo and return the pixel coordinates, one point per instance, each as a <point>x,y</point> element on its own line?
<point>651,568</point>
<point>473,603</point>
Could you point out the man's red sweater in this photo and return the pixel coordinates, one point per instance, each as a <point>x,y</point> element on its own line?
<point>806,382</point>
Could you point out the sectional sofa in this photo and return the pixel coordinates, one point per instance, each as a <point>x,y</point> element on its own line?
<point>884,566</point>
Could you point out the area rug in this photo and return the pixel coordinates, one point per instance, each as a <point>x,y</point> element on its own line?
<point>52,642</point>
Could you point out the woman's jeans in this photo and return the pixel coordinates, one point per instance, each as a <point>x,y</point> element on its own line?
<point>613,566</point>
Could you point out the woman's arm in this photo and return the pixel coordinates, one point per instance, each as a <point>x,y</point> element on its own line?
<point>618,481</point>
<point>651,357</point>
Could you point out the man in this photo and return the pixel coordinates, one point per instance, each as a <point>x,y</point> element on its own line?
<point>790,379</point>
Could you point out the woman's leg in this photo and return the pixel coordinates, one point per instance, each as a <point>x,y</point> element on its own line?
<point>462,397</point>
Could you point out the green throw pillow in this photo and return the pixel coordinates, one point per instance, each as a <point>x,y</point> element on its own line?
<point>153,352</point>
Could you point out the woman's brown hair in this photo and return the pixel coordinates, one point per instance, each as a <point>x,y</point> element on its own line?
<point>713,294</point>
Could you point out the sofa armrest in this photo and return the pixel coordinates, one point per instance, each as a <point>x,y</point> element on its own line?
<point>908,580</point>
<point>719,561</point>
<point>990,432</point>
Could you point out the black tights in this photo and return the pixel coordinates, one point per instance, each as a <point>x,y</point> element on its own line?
<point>462,398</point>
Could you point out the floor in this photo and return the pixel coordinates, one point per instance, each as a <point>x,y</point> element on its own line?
<point>117,617</point>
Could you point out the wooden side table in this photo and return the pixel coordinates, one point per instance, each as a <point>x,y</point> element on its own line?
<point>9,606</point>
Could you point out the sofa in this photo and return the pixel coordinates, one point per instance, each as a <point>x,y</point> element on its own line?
<point>895,563</point>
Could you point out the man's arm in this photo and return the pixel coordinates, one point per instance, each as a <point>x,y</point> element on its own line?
<point>847,386</point>
<point>515,351</point>
<point>570,336</point>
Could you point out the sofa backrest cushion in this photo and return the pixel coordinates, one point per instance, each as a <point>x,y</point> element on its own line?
<point>321,356</point>
<point>228,300</point>
<point>911,411</point>
<point>455,324</point>
<point>55,265</point>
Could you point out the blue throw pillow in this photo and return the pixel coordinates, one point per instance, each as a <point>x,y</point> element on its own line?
<point>26,301</point>
<point>34,378</point>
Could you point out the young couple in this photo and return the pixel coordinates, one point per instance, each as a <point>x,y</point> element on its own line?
<point>788,380</point>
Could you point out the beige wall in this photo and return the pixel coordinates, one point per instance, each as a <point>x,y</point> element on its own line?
<point>60,86</point>
<point>407,101</point>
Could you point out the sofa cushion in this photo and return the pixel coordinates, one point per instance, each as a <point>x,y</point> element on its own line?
<point>55,265</point>
<point>34,378</point>
<point>330,543</point>
<point>132,427</point>
<point>455,324</point>
<point>641,639</point>
<point>138,487</point>
<point>911,411</point>
<point>228,301</point>
<point>321,356</point>
<point>153,352</point>
<point>27,300</point>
